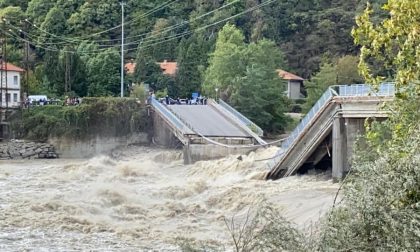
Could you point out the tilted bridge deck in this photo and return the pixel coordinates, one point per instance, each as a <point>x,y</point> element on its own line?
<point>216,121</point>
<point>355,101</point>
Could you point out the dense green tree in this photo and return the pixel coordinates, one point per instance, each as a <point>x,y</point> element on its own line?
<point>103,73</point>
<point>54,23</point>
<point>306,31</point>
<point>192,60</point>
<point>95,16</point>
<point>203,7</point>
<point>52,70</point>
<point>327,76</point>
<point>226,65</point>
<point>69,6</point>
<point>347,70</point>
<point>73,71</point>
<point>393,46</point>
<point>13,14</point>
<point>147,71</point>
<point>342,71</point>
<point>23,4</point>
<point>14,55</point>
<point>161,43</point>
<point>381,201</point>
<point>245,75</point>
<point>262,87</point>
<point>37,10</point>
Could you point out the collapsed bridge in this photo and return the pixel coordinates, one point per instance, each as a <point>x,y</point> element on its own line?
<point>329,130</point>
<point>207,131</point>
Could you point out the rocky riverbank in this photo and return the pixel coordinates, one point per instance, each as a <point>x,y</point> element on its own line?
<point>18,149</point>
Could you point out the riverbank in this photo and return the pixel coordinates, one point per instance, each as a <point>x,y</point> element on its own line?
<point>19,149</point>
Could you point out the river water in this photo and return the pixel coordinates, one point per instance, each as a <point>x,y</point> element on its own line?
<point>140,198</point>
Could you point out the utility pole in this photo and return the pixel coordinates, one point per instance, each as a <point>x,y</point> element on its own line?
<point>1,75</point>
<point>27,68</point>
<point>1,80</point>
<point>66,73</point>
<point>25,89</point>
<point>122,48</point>
<point>8,96</point>
<point>1,88</point>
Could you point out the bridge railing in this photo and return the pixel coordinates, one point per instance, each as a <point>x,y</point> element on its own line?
<point>248,123</point>
<point>385,89</point>
<point>174,120</point>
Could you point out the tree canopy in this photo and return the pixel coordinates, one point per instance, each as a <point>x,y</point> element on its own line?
<point>245,76</point>
<point>68,38</point>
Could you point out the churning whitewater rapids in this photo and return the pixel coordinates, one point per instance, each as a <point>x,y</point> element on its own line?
<point>141,198</point>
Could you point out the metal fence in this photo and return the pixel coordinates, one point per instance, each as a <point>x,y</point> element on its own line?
<point>255,128</point>
<point>385,89</point>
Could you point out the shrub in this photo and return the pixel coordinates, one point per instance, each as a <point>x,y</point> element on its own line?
<point>95,116</point>
<point>381,209</point>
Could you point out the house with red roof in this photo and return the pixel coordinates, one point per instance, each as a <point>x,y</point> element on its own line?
<point>10,87</point>
<point>169,68</point>
<point>130,67</point>
<point>294,84</point>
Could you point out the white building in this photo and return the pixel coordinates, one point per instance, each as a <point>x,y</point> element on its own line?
<point>10,76</point>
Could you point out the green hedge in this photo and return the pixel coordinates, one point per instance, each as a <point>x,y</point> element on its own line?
<point>94,117</point>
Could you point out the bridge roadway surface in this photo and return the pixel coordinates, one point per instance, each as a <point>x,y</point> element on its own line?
<point>207,121</point>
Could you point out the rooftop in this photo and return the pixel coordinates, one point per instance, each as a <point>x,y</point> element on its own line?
<point>130,67</point>
<point>168,67</point>
<point>10,67</point>
<point>288,76</point>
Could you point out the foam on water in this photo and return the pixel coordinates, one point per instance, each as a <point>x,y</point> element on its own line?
<point>142,198</point>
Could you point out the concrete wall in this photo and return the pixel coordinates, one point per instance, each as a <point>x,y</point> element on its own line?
<point>198,152</point>
<point>293,89</point>
<point>76,148</point>
<point>162,134</point>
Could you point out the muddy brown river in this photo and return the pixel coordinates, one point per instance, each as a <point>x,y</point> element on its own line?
<point>142,199</point>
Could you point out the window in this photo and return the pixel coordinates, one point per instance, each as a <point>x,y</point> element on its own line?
<point>15,98</point>
<point>15,80</point>
<point>7,97</point>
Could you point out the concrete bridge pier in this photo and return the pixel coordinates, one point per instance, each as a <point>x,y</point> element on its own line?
<point>199,152</point>
<point>344,135</point>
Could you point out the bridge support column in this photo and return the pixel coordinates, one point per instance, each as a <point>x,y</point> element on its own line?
<point>345,133</point>
<point>187,154</point>
<point>339,148</point>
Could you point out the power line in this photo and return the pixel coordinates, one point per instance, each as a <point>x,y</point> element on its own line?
<point>83,38</point>
<point>167,29</point>
<point>122,48</point>
<point>159,40</point>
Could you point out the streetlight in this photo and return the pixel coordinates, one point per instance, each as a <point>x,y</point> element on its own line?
<point>216,89</point>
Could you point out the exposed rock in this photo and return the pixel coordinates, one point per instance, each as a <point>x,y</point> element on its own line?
<point>19,149</point>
